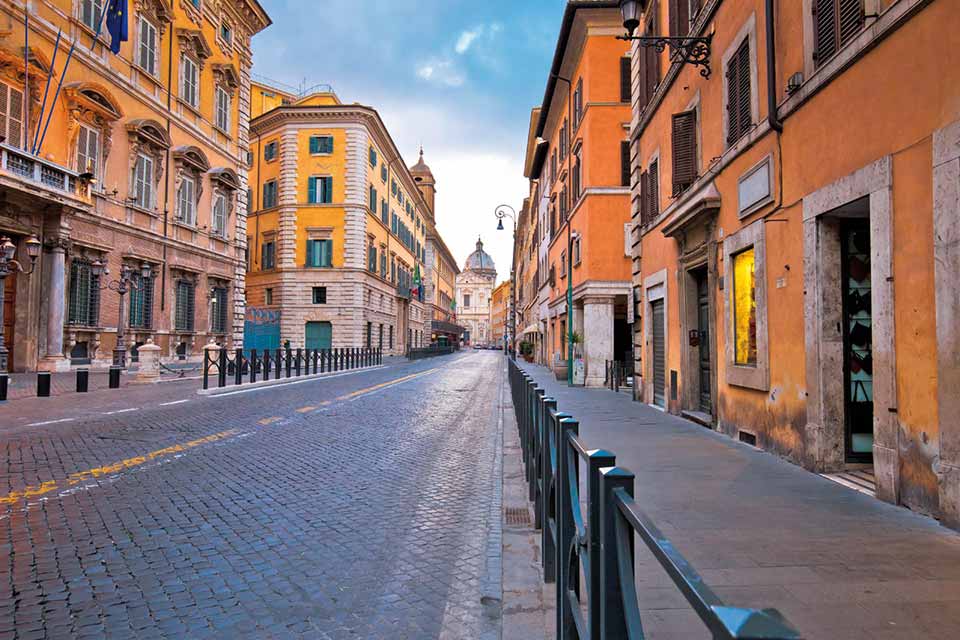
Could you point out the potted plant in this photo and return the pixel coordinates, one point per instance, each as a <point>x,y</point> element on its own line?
<point>526,350</point>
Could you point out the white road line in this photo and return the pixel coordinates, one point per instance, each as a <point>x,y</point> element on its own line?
<point>167,404</point>
<point>40,424</point>
<point>277,387</point>
<point>110,413</point>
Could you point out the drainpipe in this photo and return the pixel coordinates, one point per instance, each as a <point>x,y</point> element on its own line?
<point>166,175</point>
<point>771,37</point>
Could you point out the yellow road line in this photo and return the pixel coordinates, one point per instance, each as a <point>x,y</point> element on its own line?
<point>110,469</point>
<point>305,409</point>
<point>267,421</point>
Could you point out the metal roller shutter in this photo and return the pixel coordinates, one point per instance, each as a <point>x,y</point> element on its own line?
<point>659,355</point>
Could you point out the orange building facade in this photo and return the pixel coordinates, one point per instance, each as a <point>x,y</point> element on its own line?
<point>581,191</point>
<point>140,163</point>
<point>499,309</point>
<point>795,241</point>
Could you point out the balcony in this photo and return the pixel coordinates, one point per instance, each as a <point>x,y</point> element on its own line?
<point>440,326</point>
<point>42,177</point>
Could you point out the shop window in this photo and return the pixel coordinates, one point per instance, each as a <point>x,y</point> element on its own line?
<point>745,308</point>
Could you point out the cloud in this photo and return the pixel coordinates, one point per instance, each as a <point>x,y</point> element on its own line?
<point>466,39</point>
<point>441,71</point>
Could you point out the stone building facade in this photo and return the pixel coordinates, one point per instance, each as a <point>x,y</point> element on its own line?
<point>339,227</point>
<point>475,285</point>
<point>141,160</point>
<point>795,235</point>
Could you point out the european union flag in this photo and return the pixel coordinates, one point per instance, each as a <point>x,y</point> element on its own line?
<point>117,24</point>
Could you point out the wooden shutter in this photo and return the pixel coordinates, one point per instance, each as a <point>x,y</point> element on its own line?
<point>625,163</point>
<point>824,29</point>
<point>851,19</point>
<point>625,80</point>
<point>679,18</point>
<point>684,142</point>
<point>310,253</point>
<point>739,116</point>
<point>314,144</point>
<point>11,115</point>
<point>82,160</point>
<point>654,188</point>
<point>644,196</point>
<point>327,189</point>
<point>312,190</point>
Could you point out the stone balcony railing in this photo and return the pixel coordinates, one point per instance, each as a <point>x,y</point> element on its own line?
<point>44,174</point>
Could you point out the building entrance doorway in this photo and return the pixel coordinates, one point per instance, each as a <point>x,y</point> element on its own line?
<point>857,326</point>
<point>319,335</point>
<point>658,337</point>
<point>705,400</point>
<point>9,316</point>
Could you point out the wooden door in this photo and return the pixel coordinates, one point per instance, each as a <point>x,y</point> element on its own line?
<point>9,314</point>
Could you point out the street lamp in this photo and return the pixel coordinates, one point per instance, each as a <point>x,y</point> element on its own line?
<point>123,284</point>
<point>695,51</point>
<point>8,265</point>
<point>501,213</point>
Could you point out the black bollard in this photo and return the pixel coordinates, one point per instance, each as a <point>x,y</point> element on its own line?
<point>43,384</point>
<point>83,380</point>
<point>4,382</point>
<point>114,377</point>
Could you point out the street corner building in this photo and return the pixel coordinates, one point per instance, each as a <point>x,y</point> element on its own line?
<point>795,233</point>
<point>500,314</point>
<point>343,246</point>
<point>475,286</point>
<point>573,235</point>
<point>130,163</point>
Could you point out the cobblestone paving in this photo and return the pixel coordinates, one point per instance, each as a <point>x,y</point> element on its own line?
<point>353,507</point>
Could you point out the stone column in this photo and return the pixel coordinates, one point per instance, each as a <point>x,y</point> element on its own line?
<point>597,337</point>
<point>54,291</point>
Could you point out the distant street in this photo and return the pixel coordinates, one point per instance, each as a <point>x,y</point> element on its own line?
<point>356,506</point>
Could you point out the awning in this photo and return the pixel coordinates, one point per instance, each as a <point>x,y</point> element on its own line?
<point>534,328</point>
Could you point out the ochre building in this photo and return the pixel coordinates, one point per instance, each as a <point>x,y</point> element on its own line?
<point>141,161</point>
<point>338,230</point>
<point>796,235</point>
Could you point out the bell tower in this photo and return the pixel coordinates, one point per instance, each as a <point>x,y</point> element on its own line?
<point>426,183</point>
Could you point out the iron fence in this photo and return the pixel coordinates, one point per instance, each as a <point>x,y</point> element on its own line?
<point>590,555</point>
<point>242,367</point>
<point>431,351</point>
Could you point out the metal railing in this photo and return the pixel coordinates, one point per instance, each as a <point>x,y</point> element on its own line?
<point>618,374</point>
<point>244,367</point>
<point>431,351</point>
<point>599,546</point>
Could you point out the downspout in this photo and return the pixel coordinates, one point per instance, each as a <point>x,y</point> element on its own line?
<point>772,117</point>
<point>166,176</point>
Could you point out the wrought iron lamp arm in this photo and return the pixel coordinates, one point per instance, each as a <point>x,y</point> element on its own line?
<point>687,50</point>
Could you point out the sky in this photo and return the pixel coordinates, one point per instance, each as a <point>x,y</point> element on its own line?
<point>459,77</point>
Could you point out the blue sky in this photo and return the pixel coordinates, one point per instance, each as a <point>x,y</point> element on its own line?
<point>457,76</point>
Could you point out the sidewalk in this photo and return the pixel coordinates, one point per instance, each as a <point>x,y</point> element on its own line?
<point>765,533</point>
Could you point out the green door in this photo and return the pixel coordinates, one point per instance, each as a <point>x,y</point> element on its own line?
<point>319,335</point>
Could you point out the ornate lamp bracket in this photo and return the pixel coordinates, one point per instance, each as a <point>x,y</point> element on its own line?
<point>695,51</point>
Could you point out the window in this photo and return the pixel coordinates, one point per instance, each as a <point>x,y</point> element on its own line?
<point>268,296</point>
<point>218,309</point>
<point>143,182</point>
<point>650,193</point>
<point>373,199</point>
<point>268,254</point>
<point>563,264</point>
<point>384,211</point>
<point>576,186</point>
<point>649,62</point>
<point>680,11</point>
<point>369,334</point>
<point>269,194</point>
<point>576,250</point>
<point>739,119</point>
<point>625,169</point>
<point>372,259</point>
<point>11,114</point>
<point>270,151</point>
<point>373,157</point>
<point>319,295</point>
<point>84,295</point>
<point>220,215</point>
<point>744,308</point>
<point>684,141</point>
<point>147,49</point>
<point>189,81</point>
<point>835,23</point>
<point>578,103</point>
<point>320,253</point>
<point>380,342</point>
<point>184,307</point>
<point>90,13</point>
<point>320,190</point>
<point>383,173</point>
<point>321,145</point>
<point>187,202</point>
<point>88,151</point>
<point>466,300</point>
<point>626,92</point>
<point>383,262</point>
<point>222,116</point>
<point>226,33</point>
<point>141,302</point>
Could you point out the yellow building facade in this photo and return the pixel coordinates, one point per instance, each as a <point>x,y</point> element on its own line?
<point>138,163</point>
<point>340,228</point>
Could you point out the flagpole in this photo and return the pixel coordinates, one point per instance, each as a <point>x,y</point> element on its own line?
<point>46,91</point>
<point>26,73</point>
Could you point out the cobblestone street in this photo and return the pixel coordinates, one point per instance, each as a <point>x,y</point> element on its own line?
<point>362,505</point>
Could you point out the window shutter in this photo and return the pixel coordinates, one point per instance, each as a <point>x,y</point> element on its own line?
<point>327,145</point>
<point>327,189</point>
<point>312,190</point>
<point>744,116</point>
<point>15,118</point>
<point>82,160</point>
<point>644,197</point>
<point>310,258</point>
<point>824,29</point>
<point>625,81</point>
<point>654,189</point>
<point>684,141</point>
<point>679,18</point>
<point>851,19</point>
<point>625,163</point>
<point>314,144</point>
<point>4,108</point>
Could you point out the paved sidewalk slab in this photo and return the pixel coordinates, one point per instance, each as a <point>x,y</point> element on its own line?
<point>765,533</point>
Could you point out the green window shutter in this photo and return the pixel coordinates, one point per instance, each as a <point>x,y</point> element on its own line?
<point>312,190</point>
<point>310,253</point>
<point>327,189</point>
<point>326,253</point>
<point>314,144</point>
<point>327,146</point>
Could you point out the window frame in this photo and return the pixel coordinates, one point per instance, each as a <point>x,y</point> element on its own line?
<point>747,34</point>
<point>192,202</point>
<point>318,294</point>
<point>147,182</point>
<point>190,313</point>
<point>270,151</point>
<point>222,95</point>
<point>153,68</point>
<point>86,131</point>
<point>263,194</point>
<point>752,376</point>
<point>187,64</point>
<point>320,138</point>
<point>219,200</point>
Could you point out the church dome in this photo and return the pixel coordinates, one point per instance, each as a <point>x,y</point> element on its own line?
<point>479,260</point>
<point>420,171</point>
